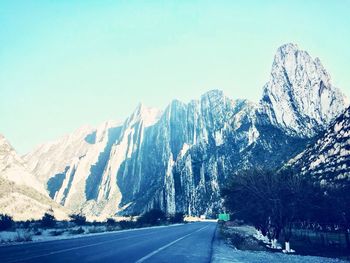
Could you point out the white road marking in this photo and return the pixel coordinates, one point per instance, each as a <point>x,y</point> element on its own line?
<point>166,246</point>
<point>112,233</point>
<point>74,248</point>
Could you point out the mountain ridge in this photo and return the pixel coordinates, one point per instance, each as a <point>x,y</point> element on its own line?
<point>179,158</point>
<point>328,159</point>
<point>21,194</point>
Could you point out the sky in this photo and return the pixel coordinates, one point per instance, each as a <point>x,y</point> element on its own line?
<point>65,64</point>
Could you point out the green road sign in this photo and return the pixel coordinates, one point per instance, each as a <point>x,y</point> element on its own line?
<point>224,217</point>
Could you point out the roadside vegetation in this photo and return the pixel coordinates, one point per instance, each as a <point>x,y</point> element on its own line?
<point>290,212</point>
<point>49,228</point>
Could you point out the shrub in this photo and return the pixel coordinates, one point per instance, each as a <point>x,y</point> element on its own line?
<point>37,233</point>
<point>176,218</point>
<point>126,224</point>
<point>48,220</point>
<point>240,240</point>
<point>96,230</point>
<point>111,222</point>
<point>78,231</point>
<point>62,224</point>
<point>96,223</point>
<point>23,237</point>
<point>152,217</point>
<point>6,222</point>
<point>78,219</point>
<point>112,228</point>
<point>26,224</point>
<point>56,232</point>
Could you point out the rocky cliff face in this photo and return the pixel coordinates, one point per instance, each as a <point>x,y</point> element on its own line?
<point>22,196</point>
<point>328,160</point>
<point>175,168</point>
<point>300,97</point>
<point>73,166</point>
<point>178,159</point>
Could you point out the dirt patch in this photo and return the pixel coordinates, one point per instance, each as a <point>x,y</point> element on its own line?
<point>240,237</point>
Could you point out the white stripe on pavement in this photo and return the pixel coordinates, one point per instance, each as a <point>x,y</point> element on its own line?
<point>75,248</point>
<point>166,246</point>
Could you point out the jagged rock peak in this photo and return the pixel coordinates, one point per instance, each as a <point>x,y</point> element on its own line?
<point>8,154</point>
<point>215,93</point>
<point>299,96</point>
<point>147,115</point>
<point>4,144</point>
<point>13,168</point>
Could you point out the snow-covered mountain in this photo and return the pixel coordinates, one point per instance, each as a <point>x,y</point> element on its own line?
<point>178,159</point>
<point>21,194</point>
<point>328,159</point>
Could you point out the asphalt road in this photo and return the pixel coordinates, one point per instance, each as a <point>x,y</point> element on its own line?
<point>180,243</point>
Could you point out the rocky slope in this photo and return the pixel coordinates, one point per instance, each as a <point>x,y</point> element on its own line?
<point>328,160</point>
<point>13,168</point>
<point>21,195</point>
<point>178,159</point>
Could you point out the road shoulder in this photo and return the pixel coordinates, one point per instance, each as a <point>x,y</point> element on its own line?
<point>223,253</point>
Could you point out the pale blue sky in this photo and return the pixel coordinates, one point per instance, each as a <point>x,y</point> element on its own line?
<point>64,64</point>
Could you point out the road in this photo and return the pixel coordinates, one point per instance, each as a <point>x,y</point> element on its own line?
<point>179,243</point>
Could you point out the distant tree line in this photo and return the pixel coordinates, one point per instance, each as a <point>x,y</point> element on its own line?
<point>150,218</point>
<point>276,202</point>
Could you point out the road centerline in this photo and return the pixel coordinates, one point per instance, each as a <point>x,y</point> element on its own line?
<point>167,245</point>
<point>75,248</point>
